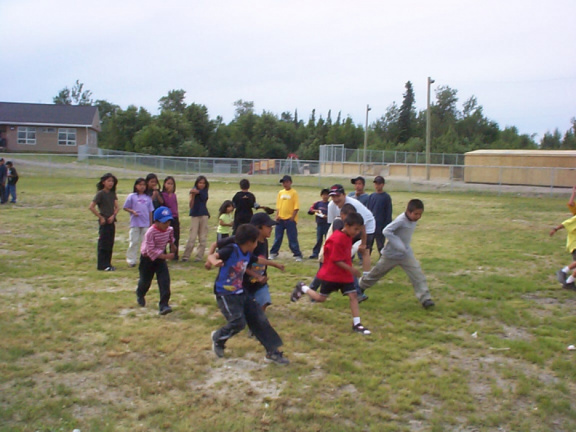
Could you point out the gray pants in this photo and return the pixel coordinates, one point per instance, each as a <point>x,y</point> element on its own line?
<point>409,264</point>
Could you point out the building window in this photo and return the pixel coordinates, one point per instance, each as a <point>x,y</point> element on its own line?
<point>66,137</point>
<point>27,135</point>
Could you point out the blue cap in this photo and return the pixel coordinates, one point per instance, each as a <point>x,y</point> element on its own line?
<point>162,214</point>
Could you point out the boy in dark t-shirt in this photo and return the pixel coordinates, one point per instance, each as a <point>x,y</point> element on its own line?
<point>337,273</point>
<point>236,305</point>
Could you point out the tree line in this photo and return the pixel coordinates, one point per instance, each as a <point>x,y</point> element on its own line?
<point>182,129</point>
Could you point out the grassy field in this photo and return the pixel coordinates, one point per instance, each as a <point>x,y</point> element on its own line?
<point>76,352</point>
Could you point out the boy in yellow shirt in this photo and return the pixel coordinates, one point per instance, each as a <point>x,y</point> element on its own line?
<point>287,207</point>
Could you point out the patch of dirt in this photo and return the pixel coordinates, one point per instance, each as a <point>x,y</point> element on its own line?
<point>238,375</point>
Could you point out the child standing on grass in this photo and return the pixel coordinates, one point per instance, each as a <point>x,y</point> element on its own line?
<point>153,259</point>
<point>107,203</point>
<point>199,216</point>
<point>320,209</point>
<point>337,273</point>
<point>225,220</point>
<point>244,202</point>
<point>140,207</point>
<point>398,252</point>
<point>12,175</point>
<point>566,276</point>
<point>153,190</point>
<point>171,201</point>
<point>234,302</point>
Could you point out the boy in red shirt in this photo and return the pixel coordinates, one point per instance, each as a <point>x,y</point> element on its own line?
<point>337,273</point>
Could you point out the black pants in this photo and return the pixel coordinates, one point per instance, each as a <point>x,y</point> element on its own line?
<point>105,245</point>
<point>176,226</point>
<point>148,269</point>
<point>241,309</point>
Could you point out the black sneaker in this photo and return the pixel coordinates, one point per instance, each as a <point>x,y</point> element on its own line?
<point>277,357</point>
<point>111,268</point>
<point>561,277</point>
<point>141,300</point>
<point>359,328</point>
<point>362,297</point>
<point>427,304</point>
<point>217,347</point>
<point>165,310</point>
<point>297,293</point>
<point>569,286</point>
<point>313,257</point>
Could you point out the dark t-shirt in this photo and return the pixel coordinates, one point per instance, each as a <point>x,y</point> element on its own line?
<point>105,202</point>
<point>244,203</point>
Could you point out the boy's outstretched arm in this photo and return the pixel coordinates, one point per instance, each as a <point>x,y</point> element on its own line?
<point>214,260</point>
<point>267,262</point>
<point>553,231</point>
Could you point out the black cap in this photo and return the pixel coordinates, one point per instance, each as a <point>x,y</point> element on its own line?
<point>354,180</point>
<point>285,178</point>
<point>260,219</point>
<point>379,179</point>
<point>336,190</point>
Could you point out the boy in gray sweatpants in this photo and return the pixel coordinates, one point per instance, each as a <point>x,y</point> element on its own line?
<point>398,252</point>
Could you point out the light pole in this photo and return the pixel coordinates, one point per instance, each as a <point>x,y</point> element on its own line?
<point>428,130</point>
<point>366,136</point>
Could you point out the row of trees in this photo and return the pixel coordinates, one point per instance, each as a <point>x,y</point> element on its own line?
<point>187,130</point>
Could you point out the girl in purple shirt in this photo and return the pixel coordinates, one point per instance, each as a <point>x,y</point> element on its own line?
<point>171,201</point>
<point>140,207</point>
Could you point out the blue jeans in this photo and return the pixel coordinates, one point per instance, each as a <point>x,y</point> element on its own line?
<point>292,233</point>
<point>11,190</point>
<point>321,230</point>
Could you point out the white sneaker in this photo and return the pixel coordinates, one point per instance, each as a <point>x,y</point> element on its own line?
<point>298,259</point>
<point>273,256</point>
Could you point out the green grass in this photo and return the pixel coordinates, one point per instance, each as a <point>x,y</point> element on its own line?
<point>77,352</point>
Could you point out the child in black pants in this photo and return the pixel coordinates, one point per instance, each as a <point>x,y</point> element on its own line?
<point>153,259</point>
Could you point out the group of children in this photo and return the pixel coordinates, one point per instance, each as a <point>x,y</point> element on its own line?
<point>241,286</point>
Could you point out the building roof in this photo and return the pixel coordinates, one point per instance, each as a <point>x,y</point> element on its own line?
<point>29,114</point>
<point>522,153</point>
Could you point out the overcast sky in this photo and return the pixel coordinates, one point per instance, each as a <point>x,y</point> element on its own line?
<point>517,57</point>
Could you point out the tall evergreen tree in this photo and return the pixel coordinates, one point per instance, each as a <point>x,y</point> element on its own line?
<point>407,115</point>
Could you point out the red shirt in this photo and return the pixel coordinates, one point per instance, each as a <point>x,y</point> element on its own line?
<point>338,247</point>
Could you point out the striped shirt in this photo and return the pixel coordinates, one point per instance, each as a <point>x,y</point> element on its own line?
<point>155,241</point>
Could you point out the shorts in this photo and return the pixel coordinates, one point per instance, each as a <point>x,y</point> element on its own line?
<point>327,287</point>
<point>262,296</point>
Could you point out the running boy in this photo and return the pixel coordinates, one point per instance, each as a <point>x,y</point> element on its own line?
<point>153,259</point>
<point>337,273</point>
<point>398,252</point>
<point>234,302</point>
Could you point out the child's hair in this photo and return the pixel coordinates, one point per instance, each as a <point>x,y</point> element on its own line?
<point>354,219</point>
<point>150,177</point>
<point>347,209</point>
<point>224,206</point>
<point>244,184</point>
<point>164,184</point>
<point>201,177</point>
<point>246,233</point>
<point>100,184</point>
<point>324,191</point>
<point>138,180</point>
<point>9,163</point>
<point>414,204</point>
